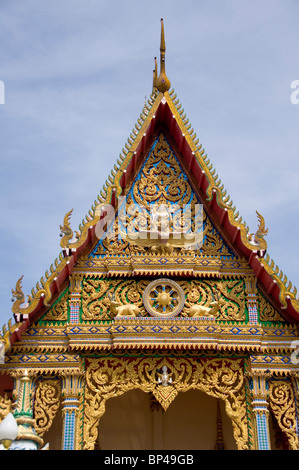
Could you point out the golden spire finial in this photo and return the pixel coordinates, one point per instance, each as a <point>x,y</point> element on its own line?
<point>155,75</point>
<point>162,83</point>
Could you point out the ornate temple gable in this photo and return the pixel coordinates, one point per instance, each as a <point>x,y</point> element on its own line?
<point>228,247</point>
<point>206,310</point>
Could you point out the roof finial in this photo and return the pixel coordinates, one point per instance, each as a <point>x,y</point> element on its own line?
<point>155,75</point>
<point>162,83</point>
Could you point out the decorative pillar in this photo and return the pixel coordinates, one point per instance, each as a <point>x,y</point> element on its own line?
<point>75,297</point>
<point>295,382</point>
<point>71,390</point>
<point>251,299</point>
<point>258,384</point>
<point>27,438</point>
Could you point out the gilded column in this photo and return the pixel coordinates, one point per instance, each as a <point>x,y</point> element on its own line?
<point>27,437</point>
<point>295,381</point>
<point>71,391</point>
<point>75,297</point>
<point>251,299</point>
<point>258,384</point>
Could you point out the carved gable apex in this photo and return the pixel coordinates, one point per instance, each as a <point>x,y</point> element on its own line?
<point>160,193</point>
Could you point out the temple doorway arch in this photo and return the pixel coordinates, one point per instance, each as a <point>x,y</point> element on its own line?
<point>193,421</point>
<point>165,378</point>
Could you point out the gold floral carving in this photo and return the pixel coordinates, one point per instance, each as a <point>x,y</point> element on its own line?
<point>204,292</point>
<point>162,178</point>
<point>282,403</point>
<point>160,186</point>
<point>46,404</point>
<point>94,303</point>
<point>213,243</point>
<point>111,377</point>
<point>59,310</point>
<point>234,306</point>
<point>266,311</point>
<point>5,406</point>
<point>95,298</point>
<point>161,182</point>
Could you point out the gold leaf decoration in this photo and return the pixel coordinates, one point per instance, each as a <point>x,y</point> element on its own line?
<point>5,406</point>
<point>95,296</point>
<point>46,404</point>
<point>111,377</point>
<point>267,311</point>
<point>59,310</point>
<point>232,296</point>
<point>282,402</point>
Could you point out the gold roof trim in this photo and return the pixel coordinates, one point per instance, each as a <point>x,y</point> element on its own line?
<point>177,264</point>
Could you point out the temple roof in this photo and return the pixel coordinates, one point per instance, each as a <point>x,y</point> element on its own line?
<point>162,111</point>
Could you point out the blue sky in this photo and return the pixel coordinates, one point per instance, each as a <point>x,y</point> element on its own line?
<point>76,75</point>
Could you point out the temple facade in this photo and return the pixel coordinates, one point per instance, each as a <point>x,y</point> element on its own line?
<point>163,323</point>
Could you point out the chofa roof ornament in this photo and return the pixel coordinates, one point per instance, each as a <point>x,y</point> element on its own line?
<point>162,83</point>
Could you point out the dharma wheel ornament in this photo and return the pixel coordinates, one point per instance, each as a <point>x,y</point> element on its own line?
<point>163,298</point>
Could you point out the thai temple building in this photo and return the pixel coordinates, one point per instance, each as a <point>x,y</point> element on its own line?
<point>163,324</point>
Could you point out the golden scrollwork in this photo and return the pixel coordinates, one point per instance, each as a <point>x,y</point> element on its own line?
<point>155,203</point>
<point>213,243</point>
<point>46,404</point>
<point>266,311</point>
<point>161,187</point>
<point>204,292</point>
<point>96,302</point>
<point>233,293</point>
<point>110,377</point>
<point>115,245</point>
<point>162,178</point>
<point>5,406</point>
<point>59,310</point>
<point>282,403</point>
